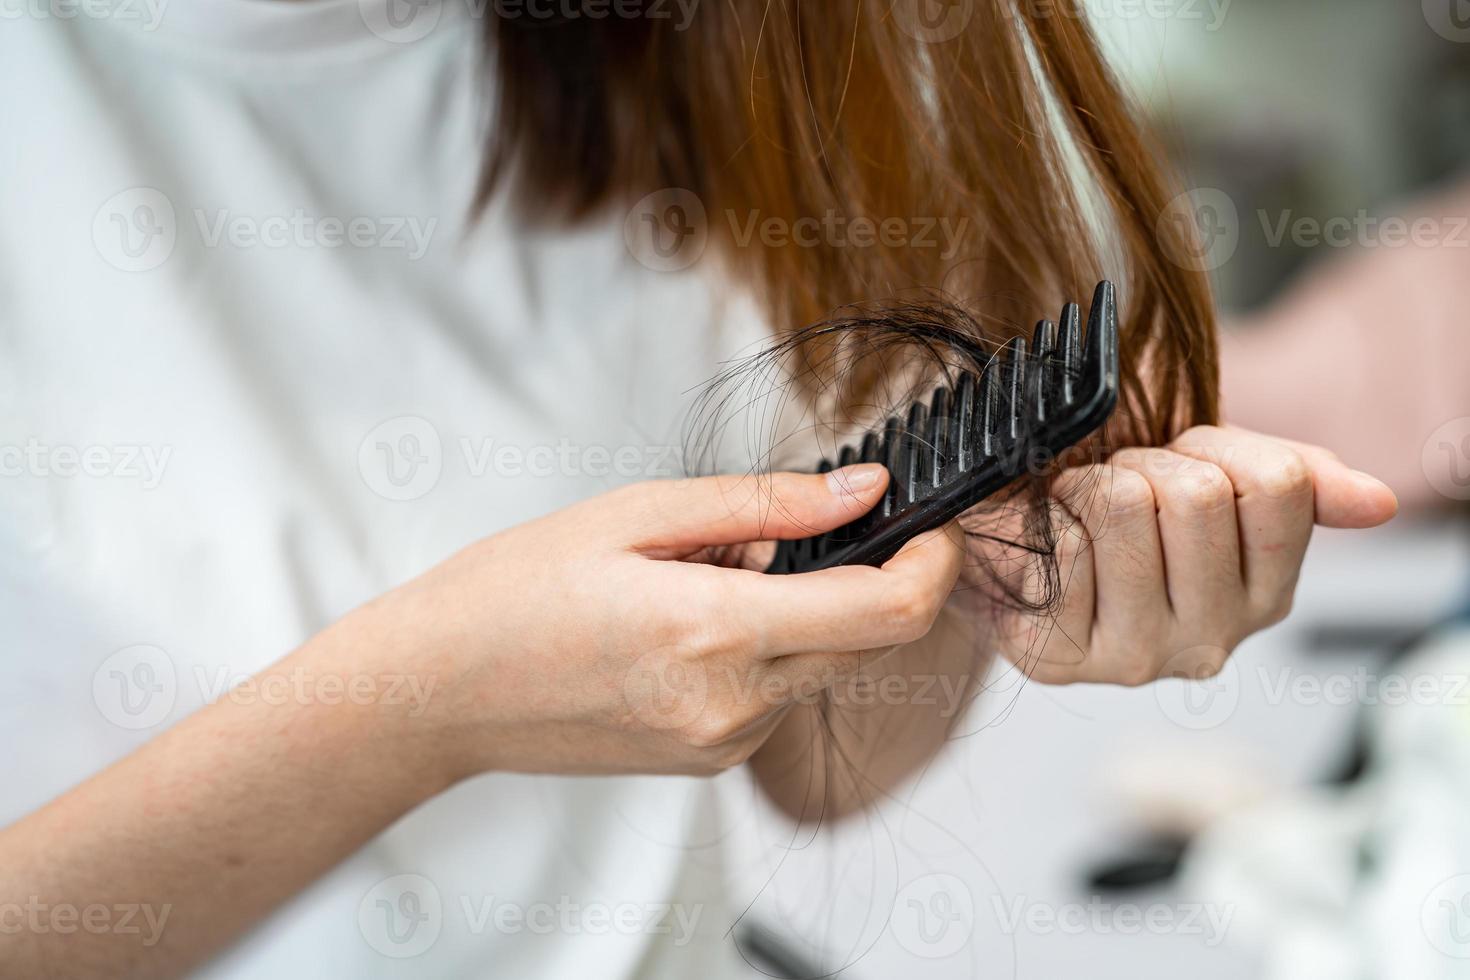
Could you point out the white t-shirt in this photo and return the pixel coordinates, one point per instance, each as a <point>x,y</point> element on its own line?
<point>256,367</point>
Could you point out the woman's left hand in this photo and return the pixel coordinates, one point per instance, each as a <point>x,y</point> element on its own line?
<point>1170,557</point>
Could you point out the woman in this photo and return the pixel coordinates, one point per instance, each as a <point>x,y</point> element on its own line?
<point>286,342</point>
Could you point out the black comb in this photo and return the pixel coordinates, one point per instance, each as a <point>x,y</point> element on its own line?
<point>975,436</point>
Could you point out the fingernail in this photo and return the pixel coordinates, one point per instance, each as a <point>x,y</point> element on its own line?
<point>1368,478</point>
<point>853,479</point>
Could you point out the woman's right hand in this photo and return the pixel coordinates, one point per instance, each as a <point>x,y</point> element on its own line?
<point>633,632</point>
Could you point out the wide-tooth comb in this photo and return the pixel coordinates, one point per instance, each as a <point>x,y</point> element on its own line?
<point>976,437</point>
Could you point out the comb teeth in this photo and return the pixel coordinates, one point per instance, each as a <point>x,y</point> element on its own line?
<point>973,438</point>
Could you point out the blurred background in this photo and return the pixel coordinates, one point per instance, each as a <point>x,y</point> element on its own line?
<point>1307,813</point>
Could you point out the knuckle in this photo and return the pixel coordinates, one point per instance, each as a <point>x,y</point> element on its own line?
<point>1202,487</point>
<point>1201,434</point>
<point>714,731</point>
<point>1137,673</point>
<point>1287,476</point>
<point>913,610</point>
<point>1279,607</point>
<point>1130,493</point>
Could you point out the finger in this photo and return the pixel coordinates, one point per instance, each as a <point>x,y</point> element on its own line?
<point>1117,507</point>
<point>804,675</point>
<point>1053,643</point>
<point>676,515</point>
<point>1197,530</point>
<point>852,607</point>
<point>1273,502</point>
<point>1345,497</point>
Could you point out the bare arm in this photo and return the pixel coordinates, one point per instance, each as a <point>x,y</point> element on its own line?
<point>595,640</point>
<point>199,834</point>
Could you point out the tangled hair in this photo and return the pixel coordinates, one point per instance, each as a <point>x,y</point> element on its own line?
<point>817,389</point>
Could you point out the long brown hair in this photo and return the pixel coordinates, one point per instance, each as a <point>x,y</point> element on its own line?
<point>1003,118</point>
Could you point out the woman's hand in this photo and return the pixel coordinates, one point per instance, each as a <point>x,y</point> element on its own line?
<point>623,635</point>
<point>1170,557</point>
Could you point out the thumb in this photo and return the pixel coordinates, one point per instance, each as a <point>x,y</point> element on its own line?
<point>725,510</point>
<point>1345,497</point>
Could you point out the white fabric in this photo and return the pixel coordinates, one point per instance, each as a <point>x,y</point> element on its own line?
<point>194,370</point>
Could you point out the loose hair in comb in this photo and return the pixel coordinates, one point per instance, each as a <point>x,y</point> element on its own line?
<point>976,436</point>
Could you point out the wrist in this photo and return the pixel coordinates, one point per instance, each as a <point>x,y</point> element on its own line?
<point>373,705</point>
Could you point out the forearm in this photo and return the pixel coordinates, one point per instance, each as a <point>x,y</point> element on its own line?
<point>206,829</point>
<point>834,756</point>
